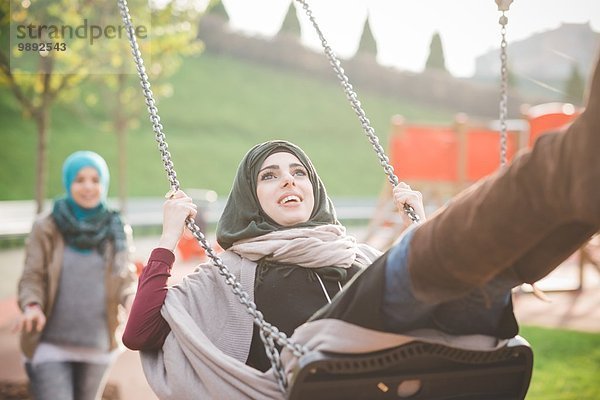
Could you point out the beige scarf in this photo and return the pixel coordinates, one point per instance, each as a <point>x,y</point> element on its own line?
<point>321,246</point>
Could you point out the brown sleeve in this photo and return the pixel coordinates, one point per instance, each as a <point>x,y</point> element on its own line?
<point>32,284</point>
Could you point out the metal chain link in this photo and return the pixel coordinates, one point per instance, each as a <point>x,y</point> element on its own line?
<point>269,334</point>
<point>503,91</point>
<point>503,88</point>
<point>273,356</point>
<point>356,106</point>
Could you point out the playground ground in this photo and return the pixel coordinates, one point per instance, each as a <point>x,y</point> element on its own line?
<point>574,310</point>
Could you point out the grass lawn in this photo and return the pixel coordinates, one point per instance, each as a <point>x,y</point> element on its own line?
<point>566,364</point>
<point>220,107</point>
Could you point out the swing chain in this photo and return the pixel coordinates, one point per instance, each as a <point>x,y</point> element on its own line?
<point>267,329</point>
<point>269,333</point>
<point>150,102</point>
<point>503,87</point>
<point>503,5</point>
<point>273,356</point>
<point>356,106</point>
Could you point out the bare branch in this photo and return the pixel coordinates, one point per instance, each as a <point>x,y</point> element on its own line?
<point>14,86</point>
<point>65,82</point>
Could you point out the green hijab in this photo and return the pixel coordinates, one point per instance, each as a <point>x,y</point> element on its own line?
<point>243,217</point>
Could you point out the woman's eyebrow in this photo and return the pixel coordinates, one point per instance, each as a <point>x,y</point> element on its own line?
<point>294,165</point>
<point>269,167</point>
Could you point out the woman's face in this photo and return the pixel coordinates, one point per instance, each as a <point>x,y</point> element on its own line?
<point>86,188</point>
<point>284,190</point>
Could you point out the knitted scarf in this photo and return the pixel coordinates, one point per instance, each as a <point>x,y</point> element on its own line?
<point>91,231</point>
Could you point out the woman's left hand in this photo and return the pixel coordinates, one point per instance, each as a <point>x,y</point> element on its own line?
<point>176,209</point>
<point>403,194</point>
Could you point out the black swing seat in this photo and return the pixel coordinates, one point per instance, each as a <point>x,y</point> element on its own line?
<point>416,370</point>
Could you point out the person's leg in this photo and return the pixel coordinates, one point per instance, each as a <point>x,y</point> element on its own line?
<point>89,380</point>
<point>398,293</point>
<point>484,310</point>
<point>515,226</point>
<point>50,380</point>
<point>528,217</point>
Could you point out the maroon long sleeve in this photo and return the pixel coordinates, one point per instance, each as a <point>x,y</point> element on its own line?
<point>146,329</point>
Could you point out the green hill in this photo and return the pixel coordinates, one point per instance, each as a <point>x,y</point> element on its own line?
<point>219,109</point>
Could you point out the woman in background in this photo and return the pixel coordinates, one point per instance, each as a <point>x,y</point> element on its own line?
<point>76,276</point>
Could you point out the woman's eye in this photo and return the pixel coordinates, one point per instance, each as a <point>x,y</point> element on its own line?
<point>267,176</point>
<point>299,172</point>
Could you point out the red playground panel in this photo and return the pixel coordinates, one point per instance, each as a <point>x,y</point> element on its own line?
<point>549,117</point>
<point>462,153</point>
<point>431,153</point>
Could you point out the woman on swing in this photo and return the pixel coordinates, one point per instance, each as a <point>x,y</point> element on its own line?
<point>453,272</point>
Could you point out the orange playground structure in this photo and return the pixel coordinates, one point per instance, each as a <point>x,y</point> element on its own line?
<point>440,161</point>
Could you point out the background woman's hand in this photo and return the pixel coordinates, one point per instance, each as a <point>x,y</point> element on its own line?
<point>403,194</point>
<point>32,319</point>
<point>176,210</point>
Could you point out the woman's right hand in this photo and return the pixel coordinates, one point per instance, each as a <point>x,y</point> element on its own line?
<point>404,195</point>
<point>32,319</point>
<point>176,210</point>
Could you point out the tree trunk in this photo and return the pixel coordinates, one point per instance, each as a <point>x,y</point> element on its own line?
<point>120,124</point>
<point>122,169</point>
<point>41,121</point>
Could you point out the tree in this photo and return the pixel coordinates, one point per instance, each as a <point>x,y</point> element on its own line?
<point>575,86</point>
<point>174,38</point>
<point>38,88</point>
<point>291,25</point>
<point>436,59</point>
<point>367,44</point>
<point>39,79</point>
<point>216,7</point>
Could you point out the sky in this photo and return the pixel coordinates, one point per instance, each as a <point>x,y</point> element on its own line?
<point>403,29</point>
